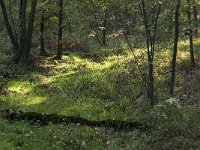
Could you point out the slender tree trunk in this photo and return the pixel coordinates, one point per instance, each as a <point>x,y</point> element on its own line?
<point>195,15</point>
<point>150,84</point>
<point>60,50</point>
<point>127,32</point>
<point>1,21</point>
<point>150,41</point>
<point>9,28</point>
<point>176,37</point>
<point>104,30</point>
<point>42,46</point>
<point>23,31</point>
<point>191,33</point>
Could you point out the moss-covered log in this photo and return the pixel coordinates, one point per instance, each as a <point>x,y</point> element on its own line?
<point>45,119</point>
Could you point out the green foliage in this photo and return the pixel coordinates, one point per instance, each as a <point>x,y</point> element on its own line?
<point>98,82</point>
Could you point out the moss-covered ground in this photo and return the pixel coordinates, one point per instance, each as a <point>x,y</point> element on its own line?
<point>106,84</point>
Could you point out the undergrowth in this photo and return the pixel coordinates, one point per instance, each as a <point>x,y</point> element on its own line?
<point>107,84</point>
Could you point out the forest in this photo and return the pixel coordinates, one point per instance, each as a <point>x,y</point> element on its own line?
<point>99,74</point>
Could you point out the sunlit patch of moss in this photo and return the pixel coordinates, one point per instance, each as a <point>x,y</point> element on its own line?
<point>23,100</point>
<point>20,87</point>
<point>60,77</point>
<point>34,100</point>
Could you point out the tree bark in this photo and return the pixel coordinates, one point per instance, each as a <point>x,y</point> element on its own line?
<point>21,48</point>
<point>126,13</point>
<point>104,30</point>
<point>176,37</point>
<point>9,28</point>
<point>60,30</point>
<point>150,42</point>
<point>42,46</point>
<point>191,33</point>
<point>27,48</point>
<point>195,15</point>
<point>1,21</point>
<point>23,31</point>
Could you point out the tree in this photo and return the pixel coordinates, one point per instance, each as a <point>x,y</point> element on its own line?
<point>126,13</point>
<point>190,33</point>
<point>104,28</point>
<point>60,30</point>
<point>1,21</point>
<point>21,45</point>
<point>175,48</point>
<point>195,16</point>
<point>150,24</point>
<point>42,29</point>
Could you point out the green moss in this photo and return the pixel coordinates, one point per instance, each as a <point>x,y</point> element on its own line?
<point>108,89</point>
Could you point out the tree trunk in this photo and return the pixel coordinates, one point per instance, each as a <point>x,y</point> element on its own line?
<point>60,50</point>
<point>21,48</point>
<point>150,41</point>
<point>1,21</point>
<point>9,29</point>
<point>27,47</point>
<point>23,31</point>
<point>151,84</point>
<point>176,37</point>
<point>126,13</point>
<point>104,30</point>
<point>195,15</point>
<point>42,46</point>
<point>190,34</point>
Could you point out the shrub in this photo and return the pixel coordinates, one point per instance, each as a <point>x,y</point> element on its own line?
<point>73,44</point>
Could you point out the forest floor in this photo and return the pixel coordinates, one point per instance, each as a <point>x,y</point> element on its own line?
<point>104,84</point>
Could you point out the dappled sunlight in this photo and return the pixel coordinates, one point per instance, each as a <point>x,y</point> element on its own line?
<point>197,41</point>
<point>184,42</point>
<point>33,100</point>
<point>97,74</point>
<point>77,76</point>
<point>183,55</point>
<point>21,87</point>
<point>23,100</point>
